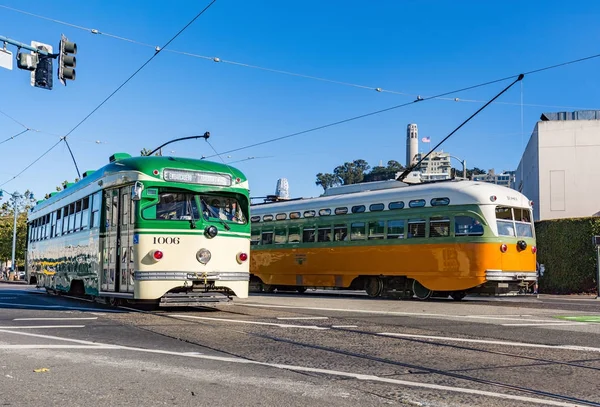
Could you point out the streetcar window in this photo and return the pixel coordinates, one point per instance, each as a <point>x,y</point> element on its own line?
<point>267,218</point>
<point>308,235</point>
<point>522,215</point>
<point>523,222</point>
<point>376,229</point>
<point>267,238</point>
<point>96,203</point>
<point>294,215</point>
<point>85,214</point>
<point>324,212</point>
<point>176,206</point>
<point>341,211</point>
<point>340,232</point>
<point>124,209</point>
<point>78,206</point>
<point>48,225</point>
<point>280,236</point>
<point>358,209</point>
<point>309,214</point>
<point>65,228</point>
<point>357,231</point>
<point>416,203</point>
<point>293,234</point>
<point>524,229</point>
<point>324,234</point>
<point>396,205</point>
<point>376,207</point>
<point>467,226</point>
<point>416,228</point>
<point>281,216</point>
<point>255,237</point>
<point>255,219</point>
<point>504,221</point>
<point>440,201</point>
<point>58,228</point>
<point>395,229</point>
<point>439,226</point>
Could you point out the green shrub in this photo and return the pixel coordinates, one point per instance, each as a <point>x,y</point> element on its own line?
<point>566,250</point>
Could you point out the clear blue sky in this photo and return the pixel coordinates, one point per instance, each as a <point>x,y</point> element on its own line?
<point>418,47</point>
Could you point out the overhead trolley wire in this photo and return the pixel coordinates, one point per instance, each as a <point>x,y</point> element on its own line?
<point>64,138</point>
<point>289,73</point>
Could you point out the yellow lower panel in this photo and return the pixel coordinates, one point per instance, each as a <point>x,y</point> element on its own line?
<point>440,267</point>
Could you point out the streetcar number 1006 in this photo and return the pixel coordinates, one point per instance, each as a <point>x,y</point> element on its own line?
<point>166,240</point>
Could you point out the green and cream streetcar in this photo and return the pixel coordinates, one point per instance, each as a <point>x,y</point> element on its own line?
<point>165,230</point>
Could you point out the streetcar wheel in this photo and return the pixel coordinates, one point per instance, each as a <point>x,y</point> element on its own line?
<point>458,295</point>
<point>268,288</point>
<point>301,290</point>
<point>114,301</point>
<point>374,287</point>
<point>421,292</point>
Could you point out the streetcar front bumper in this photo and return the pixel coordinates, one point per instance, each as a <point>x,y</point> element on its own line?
<point>191,276</point>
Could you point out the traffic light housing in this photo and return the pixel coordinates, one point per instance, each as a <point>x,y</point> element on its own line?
<point>66,60</point>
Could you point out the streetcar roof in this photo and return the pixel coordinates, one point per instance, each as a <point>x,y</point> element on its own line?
<point>145,165</point>
<point>458,193</point>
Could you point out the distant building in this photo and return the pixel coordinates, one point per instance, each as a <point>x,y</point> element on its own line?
<point>506,179</point>
<point>558,170</point>
<point>435,167</point>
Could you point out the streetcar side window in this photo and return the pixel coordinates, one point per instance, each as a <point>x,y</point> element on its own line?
<point>395,229</point>
<point>340,232</point>
<point>59,222</point>
<point>357,231</point>
<point>467,226</point>
<point>324,234</point>
<point>77,225</point>
<point>293,234</point>
<point>376,229</point>
<point>96,203</point>
<point>85,213</point>
<point>416,228</point>
<point>65,228</point>
<point>267,238</point>
<point>308,235</point>
<point>439,226</point>
<point>504,221</point>
<point>254,237</point>
<point>280,236</point>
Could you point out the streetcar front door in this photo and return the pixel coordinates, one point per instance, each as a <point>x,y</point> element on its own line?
<point>117,270</point>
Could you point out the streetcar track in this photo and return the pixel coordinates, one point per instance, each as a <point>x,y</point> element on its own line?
<point>417,368</point>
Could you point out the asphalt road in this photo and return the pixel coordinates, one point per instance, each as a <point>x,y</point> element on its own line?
<point>300,350</point>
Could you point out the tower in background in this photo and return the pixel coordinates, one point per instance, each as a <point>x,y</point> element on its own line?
<point>412,144</point>
<point>282,190</point>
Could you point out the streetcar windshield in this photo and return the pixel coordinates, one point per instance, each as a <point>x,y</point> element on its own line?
<point>515,222</point>
<point>186,206</point>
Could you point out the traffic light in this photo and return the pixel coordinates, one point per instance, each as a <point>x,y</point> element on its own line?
<point>42,76</point>
<point>66,60</point>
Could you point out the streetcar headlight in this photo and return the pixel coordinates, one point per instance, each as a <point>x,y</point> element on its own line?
<point>203,256</point>
<point>211,231</point>
<point>521,245</point>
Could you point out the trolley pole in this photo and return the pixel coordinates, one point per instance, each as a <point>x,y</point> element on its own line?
<point>596,241</point>
<point>15,197</point>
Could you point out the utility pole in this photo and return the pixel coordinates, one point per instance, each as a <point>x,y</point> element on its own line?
<point>15,197</point>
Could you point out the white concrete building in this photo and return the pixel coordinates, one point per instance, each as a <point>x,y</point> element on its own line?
<point>436,167</point>
<point>559,167</point>
<point>506,178</point>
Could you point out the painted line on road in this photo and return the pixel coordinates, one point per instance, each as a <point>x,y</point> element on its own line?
<point>548,324</point>
<point>394,313</point>
<point>285,318</point>
<point>53,319</point>
<point>344,326</point>
<point>61,307</point>
<point>44,346</point>
<point>488,342</point>
<point>42,326</point>
<point>351,375</point>
<point>239,321</point>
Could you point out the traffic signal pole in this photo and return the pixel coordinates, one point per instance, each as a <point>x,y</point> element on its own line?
<point>25,46</point>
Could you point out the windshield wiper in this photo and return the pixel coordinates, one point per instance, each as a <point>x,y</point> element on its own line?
<point>191,213</point>
<point>214,215</point>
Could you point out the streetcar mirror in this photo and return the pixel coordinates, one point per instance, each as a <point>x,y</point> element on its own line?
<point>136,192</point>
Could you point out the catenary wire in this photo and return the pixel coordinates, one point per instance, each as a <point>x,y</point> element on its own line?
<point>283,72</point>
<point>14,120</point>
<point>34,161</point>
<point>15,136</point>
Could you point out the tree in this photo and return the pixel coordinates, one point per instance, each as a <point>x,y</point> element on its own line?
<point>327,180</point>
<point>145,152</point>
<point>351,172</point>
<point>6,229</point>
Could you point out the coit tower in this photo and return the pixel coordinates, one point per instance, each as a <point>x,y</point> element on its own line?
<point>412,144</point>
